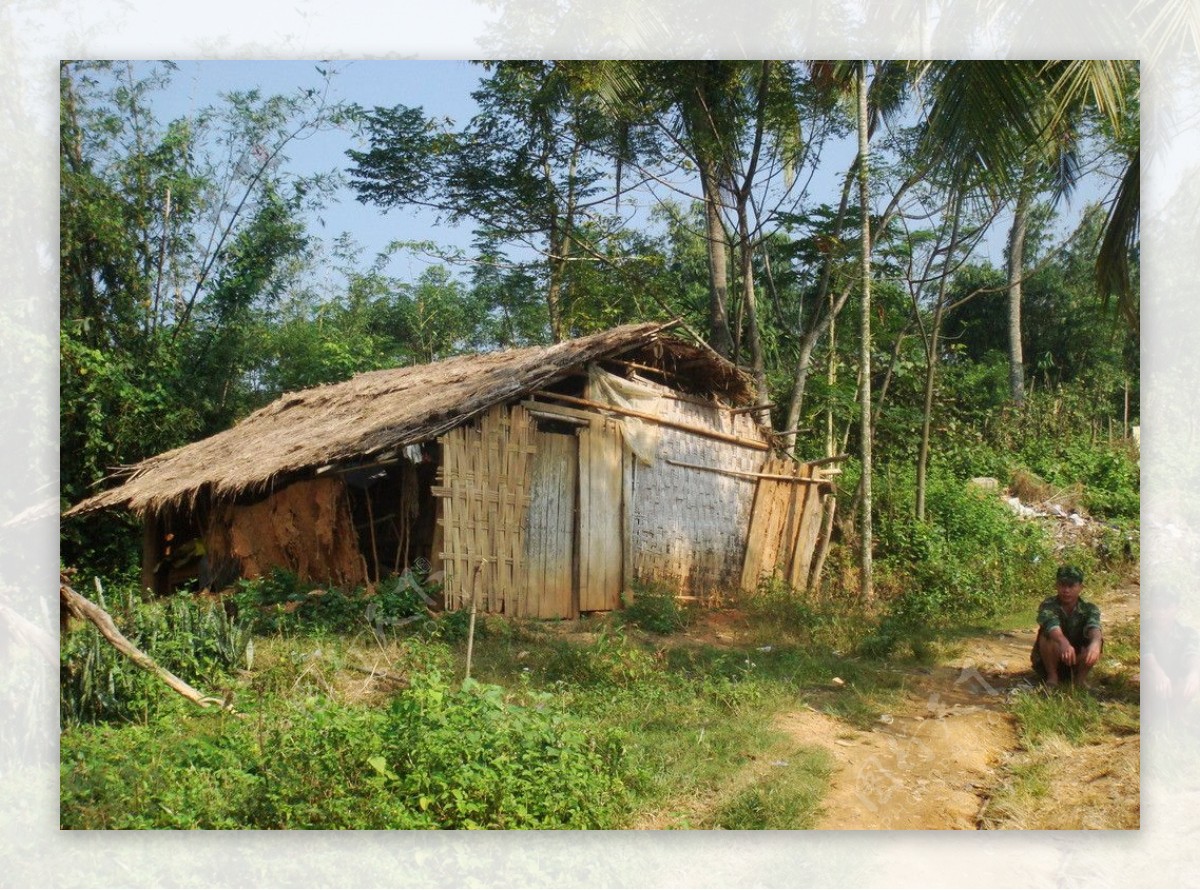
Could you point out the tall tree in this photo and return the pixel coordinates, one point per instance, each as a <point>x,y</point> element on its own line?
<point>523,170</point>
<point>991,118</point>
<point>172,236</point>
<point>867,580</point>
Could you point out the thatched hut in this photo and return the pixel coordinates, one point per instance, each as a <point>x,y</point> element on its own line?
<point>546,479</point>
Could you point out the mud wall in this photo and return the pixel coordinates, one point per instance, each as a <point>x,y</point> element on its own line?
<point>305,528</point>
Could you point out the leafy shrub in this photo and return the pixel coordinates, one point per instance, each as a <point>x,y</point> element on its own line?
<point>655,608</point>
<point>970,559</point>
<point>611,659</point>
<point>467,759</point>
<point>441,757</point>
<point>278,600</point>
<point>190,637</point>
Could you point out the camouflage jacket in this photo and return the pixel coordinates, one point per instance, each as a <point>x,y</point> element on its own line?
<point>1075,626</point>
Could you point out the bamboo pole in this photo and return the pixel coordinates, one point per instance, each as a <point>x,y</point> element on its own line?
<point>641,415</point>
<point>371,520</point>
<point>474,606</point>
<point>739,474</point>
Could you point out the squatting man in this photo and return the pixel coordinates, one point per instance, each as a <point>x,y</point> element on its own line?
<point>1069,641</point>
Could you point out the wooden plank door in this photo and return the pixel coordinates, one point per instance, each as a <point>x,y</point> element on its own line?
<point>601,522</point>
<point>550,539</point>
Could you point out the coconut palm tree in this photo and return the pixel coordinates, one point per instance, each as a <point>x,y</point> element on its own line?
<point>1005,124</point>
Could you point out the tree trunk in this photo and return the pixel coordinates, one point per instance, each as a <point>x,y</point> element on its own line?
<point>867,585</point>
<point>931,360</point>
<point>809,340</point>
<point>720,337</point>
<point>814,334</point>
<point>1016,264</point>
<point>750,302</point>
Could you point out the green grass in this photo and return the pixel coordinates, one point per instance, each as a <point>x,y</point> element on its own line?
<point>787,796</point>
<point>643,725</point>
<point>1071,714</point>
<point>602,722</point>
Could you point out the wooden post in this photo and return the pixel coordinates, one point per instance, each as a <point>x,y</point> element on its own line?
<point>471,626</point>
<point>371,521</point>
<point>1125,424</point>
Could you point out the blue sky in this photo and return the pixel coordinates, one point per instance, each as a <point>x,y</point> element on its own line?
<point>442,88</point>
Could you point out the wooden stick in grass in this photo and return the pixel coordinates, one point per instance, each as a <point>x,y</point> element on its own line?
<point>84,608</point>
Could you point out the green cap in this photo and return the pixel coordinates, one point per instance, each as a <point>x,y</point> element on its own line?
<point>1070,575</point>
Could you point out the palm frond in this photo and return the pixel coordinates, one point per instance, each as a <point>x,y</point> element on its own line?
<point>1119,242</point>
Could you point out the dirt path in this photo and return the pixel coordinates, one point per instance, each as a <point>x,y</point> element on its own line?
<point>934,763</point>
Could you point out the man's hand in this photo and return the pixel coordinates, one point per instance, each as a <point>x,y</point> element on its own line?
<point>1066,652</point>
<point>1092,654</point>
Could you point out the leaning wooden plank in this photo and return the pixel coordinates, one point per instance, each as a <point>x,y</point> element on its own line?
<point>818,563</point>
<point>788,549</point>
<point>783,518</point>
<point>766,520</point>
<point>754,541</point>
<point>806,536</point>
<point>86,609</point>
<point>661,421</point>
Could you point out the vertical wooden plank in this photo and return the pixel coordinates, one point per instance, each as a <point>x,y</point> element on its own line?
<point>584,503</point>
<point>565,566</point>
<point>774,521</point>
<point>600,509</point>
<point>628,463</point>
<point>805,540</point>
<point>756,537</point>
<point>151,552</point>
<point>550,541</point>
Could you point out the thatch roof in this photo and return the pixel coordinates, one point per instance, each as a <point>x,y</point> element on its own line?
<point>373,414</point>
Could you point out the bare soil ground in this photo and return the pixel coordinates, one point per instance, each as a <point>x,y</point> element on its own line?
<point>939,760</point>
<point>951,744</point>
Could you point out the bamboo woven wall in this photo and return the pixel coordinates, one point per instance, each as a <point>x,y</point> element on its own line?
<point>485,481</point>
<point>687,527</point>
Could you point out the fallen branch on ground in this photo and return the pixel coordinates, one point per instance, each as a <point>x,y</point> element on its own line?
<point>84,608</point>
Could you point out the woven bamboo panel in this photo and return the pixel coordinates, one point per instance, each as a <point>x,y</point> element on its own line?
<point>484,491</point>
<point>687,527</point>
